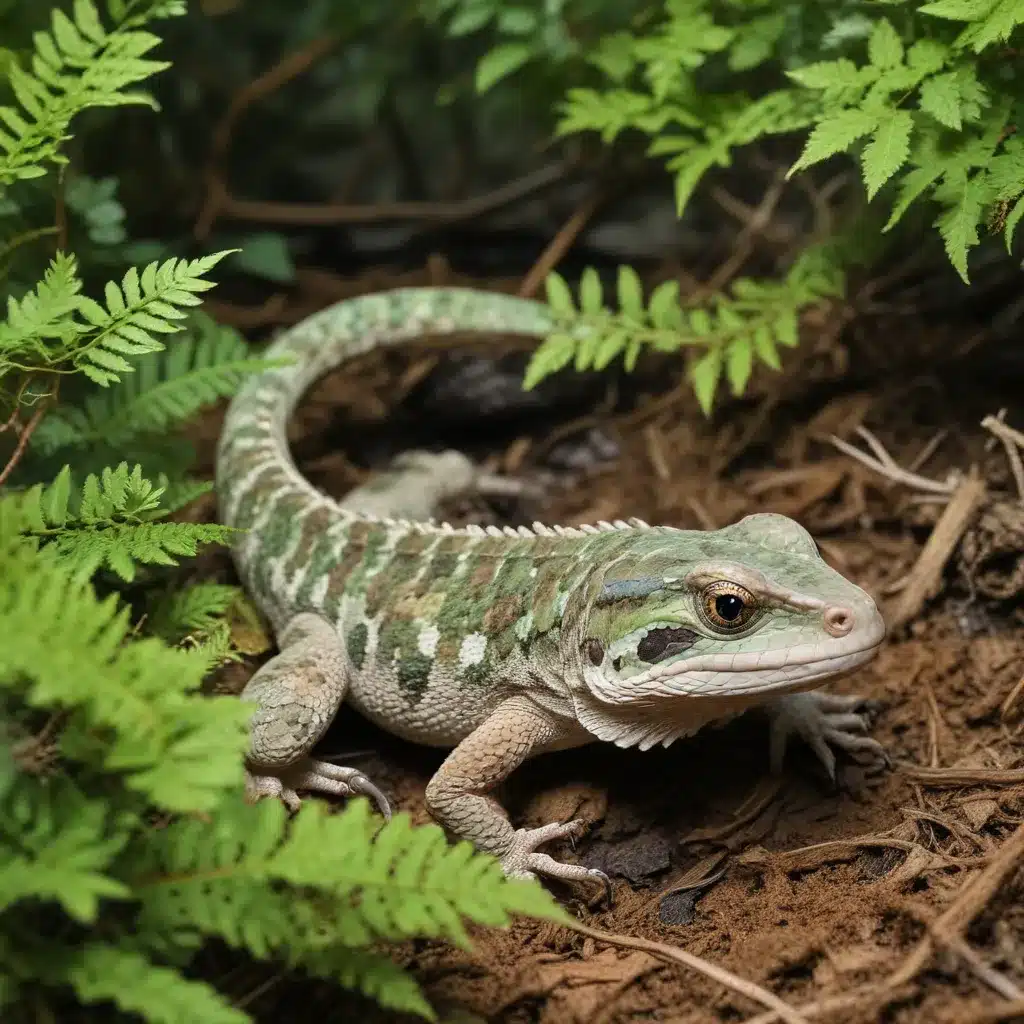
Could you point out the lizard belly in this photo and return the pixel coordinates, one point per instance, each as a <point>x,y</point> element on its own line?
<point>437,715</point>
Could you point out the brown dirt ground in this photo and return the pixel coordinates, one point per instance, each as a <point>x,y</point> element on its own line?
<point>826,890</point>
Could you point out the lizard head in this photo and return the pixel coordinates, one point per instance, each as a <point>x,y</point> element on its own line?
<point>693,626</point>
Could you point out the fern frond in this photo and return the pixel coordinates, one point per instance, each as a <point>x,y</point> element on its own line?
<point>387,882</point>
<point>166,389</point>
<point>76,65</point>
<point>195,609</point>
<point>109,522</point>
<point>65,846</point>
<point>45,314</point>
<point>57,325</point>
<point>131,708</point>
<point>102,973</point>
<point>153,301</point>
<point>736,329</point>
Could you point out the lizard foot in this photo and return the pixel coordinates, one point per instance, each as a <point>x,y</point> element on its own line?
<point>824,720</point>
<point>521,859</point>
<point>317,777</point>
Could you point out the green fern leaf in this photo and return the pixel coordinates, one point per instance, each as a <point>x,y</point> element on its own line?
<point>559,296</point>
<point>755,40</point>
<point>156,300</point>
<point>76,65</point>
<point>887,151</point>
<point>376,976</point>
<point>835,134</point>
<point>631,295</point>
<point>128,708</point>
<point>704,376</point>
<point>591,292</point>
<point>1012,220</point>
<point>885,49</point>
<point>194,609</point>
<point>66,845</point>
<point>764,347</point>
<point>553,354</point>
<point>958,226</point>
<point>739,362</point>
<point>397,880</point>
<point>829,74</point>
<point>663,308</point>
<point>501,62</point>
<point>108,522</point>
<point>123,547</point>
<point>940,97</point>
<point>44,314</point>
<point>958,10</point>
<point>101,973</point>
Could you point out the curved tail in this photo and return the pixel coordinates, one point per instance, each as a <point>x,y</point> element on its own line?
<point>259,488</point>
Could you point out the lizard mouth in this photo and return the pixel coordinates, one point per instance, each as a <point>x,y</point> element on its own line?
<point>741,673</point>
<point>752,672</point>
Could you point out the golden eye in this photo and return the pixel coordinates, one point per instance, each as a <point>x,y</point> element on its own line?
<point>727,607</point>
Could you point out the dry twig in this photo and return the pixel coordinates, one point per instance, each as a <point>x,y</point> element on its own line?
<point>1013,441</point>
<point>961,776</point>
<point>780,1010</point>
<point>24,436</point>
<point>925,577</point>
<point>561,243</point>
<point>882,462</point>
<point>289,67</point>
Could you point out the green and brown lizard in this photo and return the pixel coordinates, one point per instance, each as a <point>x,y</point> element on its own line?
<point>507,643</point>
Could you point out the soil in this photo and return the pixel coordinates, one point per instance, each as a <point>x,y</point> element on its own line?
<point>815,889</point>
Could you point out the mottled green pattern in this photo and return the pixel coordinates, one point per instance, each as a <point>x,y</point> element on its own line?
<point>437,623</point>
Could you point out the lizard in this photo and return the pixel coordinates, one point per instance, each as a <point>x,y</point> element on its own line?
<point>500,644</point>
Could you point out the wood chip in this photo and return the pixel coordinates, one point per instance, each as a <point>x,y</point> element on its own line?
<point>924,579</point>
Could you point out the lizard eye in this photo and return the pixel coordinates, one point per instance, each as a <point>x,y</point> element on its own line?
<point>727,607</point>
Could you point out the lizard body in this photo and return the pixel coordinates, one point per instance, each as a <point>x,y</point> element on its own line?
<point>507,643</point>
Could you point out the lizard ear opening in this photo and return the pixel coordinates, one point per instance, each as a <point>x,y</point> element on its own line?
<point>769,529</point>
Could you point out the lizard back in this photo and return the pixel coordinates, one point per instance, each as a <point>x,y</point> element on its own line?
<point>429,613</point>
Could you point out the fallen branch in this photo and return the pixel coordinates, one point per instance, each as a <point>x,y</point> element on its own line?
<point>289,67</point>
<point>331,214</point>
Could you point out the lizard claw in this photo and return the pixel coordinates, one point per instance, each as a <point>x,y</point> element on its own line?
<point>824,720</point>
<point>318,777</point>
<point>521,859</point>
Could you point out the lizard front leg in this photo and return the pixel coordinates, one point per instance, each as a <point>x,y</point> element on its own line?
<point>298,693</point>
<point>458,794</point>
<point>823,720</point>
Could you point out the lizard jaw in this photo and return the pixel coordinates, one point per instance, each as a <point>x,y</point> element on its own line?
<point>740,674</point>
<point>665,714</point>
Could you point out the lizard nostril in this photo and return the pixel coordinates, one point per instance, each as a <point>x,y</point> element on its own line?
<point>838,620</point>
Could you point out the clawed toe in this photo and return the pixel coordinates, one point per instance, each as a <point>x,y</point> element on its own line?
<point>317,777</point>
<point>522,861</point>
<point>824,721</point>
<point>259,786</point>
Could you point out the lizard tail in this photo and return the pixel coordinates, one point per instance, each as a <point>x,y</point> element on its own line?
<point>258,485</point>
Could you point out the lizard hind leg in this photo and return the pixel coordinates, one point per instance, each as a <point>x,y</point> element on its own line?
<point>297,694</point>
